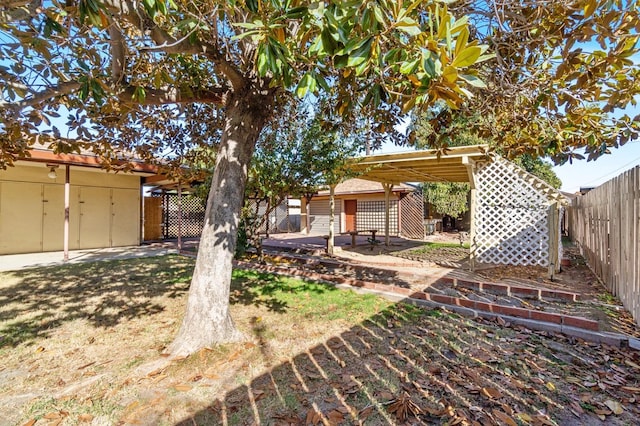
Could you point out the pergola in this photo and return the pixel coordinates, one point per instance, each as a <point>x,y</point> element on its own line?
<point>514,215</point>
<point>455,165</point>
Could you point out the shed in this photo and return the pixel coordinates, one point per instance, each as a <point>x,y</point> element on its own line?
<point>55,202</point>
<point>359,205</point>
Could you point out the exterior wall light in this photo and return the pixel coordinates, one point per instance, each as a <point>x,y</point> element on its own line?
<point>52,171</point>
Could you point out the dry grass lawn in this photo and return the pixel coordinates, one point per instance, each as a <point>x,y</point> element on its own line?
<point>82,344</point>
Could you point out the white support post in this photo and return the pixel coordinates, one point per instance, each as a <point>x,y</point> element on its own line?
<point>67,192</point>
<point>179,217</point>
<point>304,214</point>
<point>471,172</point>
<point>332,208</point>
<point>472,231</point>
<point>387,205</point>
<point>554,248</point>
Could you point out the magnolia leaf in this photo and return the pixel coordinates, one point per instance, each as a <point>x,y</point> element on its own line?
<point>467,57</point>
<point>590,7</point>
<point>461,41</point>
<point>450,74</point>
<point>307,84</point>
<point>504,418</point>
<point>183,388</point>
<point>408,67</point>
<point>360,53</point>
<point>614,406</point>
<point>473,80</point>
<point>409,26</point>
<point>491,393</point>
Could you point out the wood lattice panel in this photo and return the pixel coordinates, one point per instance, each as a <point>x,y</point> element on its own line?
<point>412,215</point>
<point>511,217</point>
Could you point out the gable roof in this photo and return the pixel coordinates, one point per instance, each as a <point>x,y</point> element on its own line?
<point>362,186</point>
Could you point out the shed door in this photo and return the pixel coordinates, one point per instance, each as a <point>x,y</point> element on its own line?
<point>95,217</point>
<point>20,217</point>
<point>53,218</point>
<point>350,210</point>
<point>125,213</point>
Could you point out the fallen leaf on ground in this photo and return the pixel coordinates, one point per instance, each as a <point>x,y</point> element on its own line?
<point>210,373</point>
<point>313,417</point>
<point>386,396</point>
<point>365,412</point>
<point>504,418</point>
<point>403,406</point>
<point>524,417</point>
<point>335,416</point>
<point>52,416</point>
<point>491,393</point>
<point>614,406</point>
<point>183,388</point>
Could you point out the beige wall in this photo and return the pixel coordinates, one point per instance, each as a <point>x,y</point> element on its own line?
<point>104,209</point>
<point>340,218</point>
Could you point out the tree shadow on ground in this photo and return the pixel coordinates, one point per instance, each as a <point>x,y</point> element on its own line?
<point>405,366</point>
<point>36,302</point>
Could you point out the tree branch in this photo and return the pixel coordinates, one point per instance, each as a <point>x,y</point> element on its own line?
<point>173,95</point>
<point>118,57</point>
<point>18,9</point>
<point>169,44</point>
<point>60,89</point>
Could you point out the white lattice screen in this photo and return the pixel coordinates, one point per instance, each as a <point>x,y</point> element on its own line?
<point>511,216</point>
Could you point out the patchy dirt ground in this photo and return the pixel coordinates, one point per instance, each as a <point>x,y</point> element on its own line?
<point>82,345</point>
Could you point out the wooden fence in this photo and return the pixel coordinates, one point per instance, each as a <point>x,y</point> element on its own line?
<point>605,223</point>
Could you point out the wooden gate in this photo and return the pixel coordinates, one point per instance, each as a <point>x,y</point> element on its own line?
<point>152,218</point>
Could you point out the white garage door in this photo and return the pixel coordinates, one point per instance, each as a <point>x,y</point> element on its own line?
<point>319,217</point>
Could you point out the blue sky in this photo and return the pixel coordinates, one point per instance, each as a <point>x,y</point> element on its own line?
<point>593,173</point>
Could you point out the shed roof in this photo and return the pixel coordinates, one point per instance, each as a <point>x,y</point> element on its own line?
<point>41,153</point>
<point>422,166</point>
<point>361,186</point>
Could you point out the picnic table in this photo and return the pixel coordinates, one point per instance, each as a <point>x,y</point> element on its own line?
<point>354,234</point>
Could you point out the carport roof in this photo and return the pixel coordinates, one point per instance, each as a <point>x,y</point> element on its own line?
<point>422,166</point>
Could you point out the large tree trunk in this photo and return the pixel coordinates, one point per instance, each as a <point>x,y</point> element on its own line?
<point>207,320</point>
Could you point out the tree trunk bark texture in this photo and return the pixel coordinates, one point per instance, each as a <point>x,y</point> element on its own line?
<point>207,320</point>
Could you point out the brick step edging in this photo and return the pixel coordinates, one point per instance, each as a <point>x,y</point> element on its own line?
<point>560,319</point>
<point>514,290</point>
<point>494,288</point>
